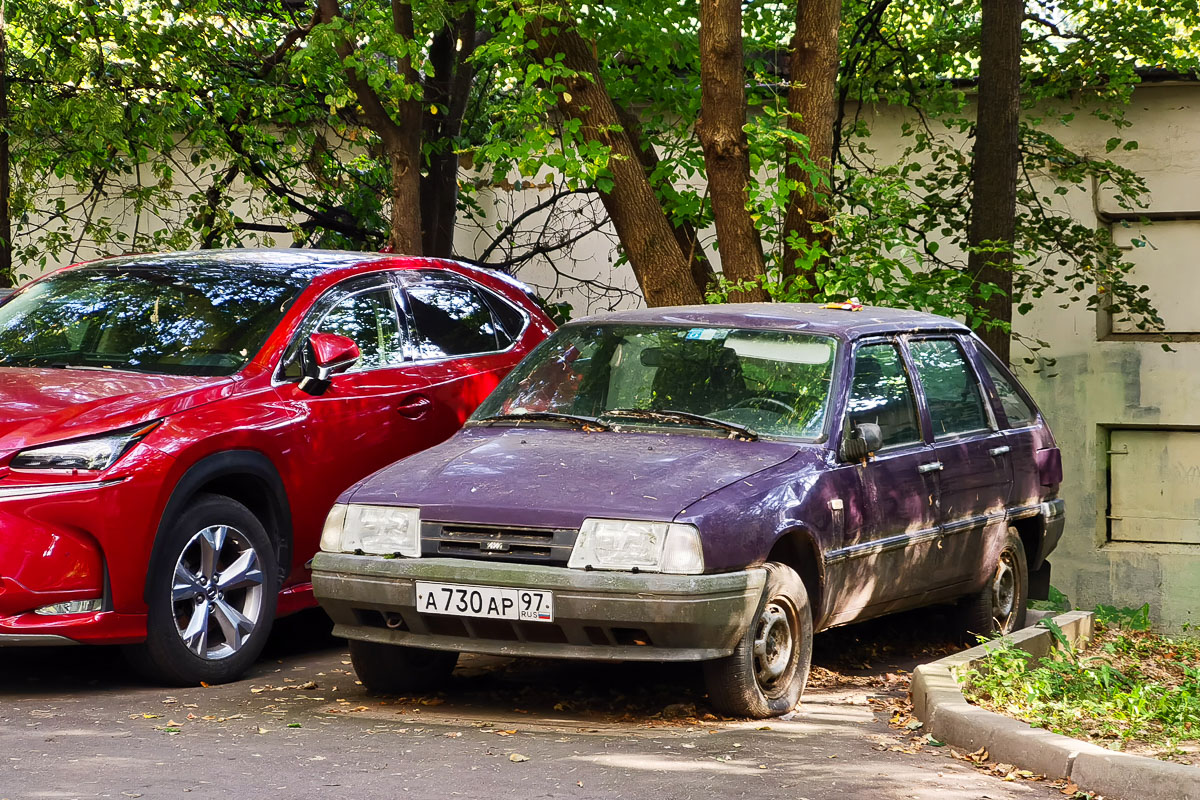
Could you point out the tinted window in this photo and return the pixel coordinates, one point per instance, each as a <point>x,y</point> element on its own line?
<point>1015,408</point>
<point>450,319</point>
<point>369,318</point>
<point>186,319</point>
<point>951,391</point>
<point>358,311</point>
<point>880,393</point>
<point>510,321</point>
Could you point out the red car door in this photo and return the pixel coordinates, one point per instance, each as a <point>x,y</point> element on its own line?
<point>462,340</point>
<point>370,416</point>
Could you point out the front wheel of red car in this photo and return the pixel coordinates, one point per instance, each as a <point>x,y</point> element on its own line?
<point>766,674</point>
<point>212,593</point>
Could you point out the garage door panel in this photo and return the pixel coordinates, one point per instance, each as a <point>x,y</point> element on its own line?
<point>1154,486</point>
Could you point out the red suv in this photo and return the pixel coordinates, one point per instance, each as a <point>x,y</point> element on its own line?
<point>173,429</point>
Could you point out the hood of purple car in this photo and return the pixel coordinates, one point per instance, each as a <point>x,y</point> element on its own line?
<point>547,477</point>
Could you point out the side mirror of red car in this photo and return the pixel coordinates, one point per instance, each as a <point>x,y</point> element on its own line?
<point>326,355</point>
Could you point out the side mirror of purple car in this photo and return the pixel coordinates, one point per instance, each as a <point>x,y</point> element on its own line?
<point>864,439</point>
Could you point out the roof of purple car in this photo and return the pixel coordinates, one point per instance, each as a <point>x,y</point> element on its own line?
<point>810,317</point>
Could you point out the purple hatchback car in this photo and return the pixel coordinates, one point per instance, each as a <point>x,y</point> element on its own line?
<point>710,484</point>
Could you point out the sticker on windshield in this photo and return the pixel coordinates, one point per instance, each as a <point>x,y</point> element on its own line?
<point>707,334</point>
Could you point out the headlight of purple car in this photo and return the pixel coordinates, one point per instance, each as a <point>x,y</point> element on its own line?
<point>638,546</point>
<point>378,530</point>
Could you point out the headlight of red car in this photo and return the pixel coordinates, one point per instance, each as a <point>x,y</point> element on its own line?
<point>91,454</point>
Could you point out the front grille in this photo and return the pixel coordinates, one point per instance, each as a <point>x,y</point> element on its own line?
<point>551,546</point>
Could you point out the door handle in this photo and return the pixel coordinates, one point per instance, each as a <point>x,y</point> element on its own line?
<point>414,406</point>
<point>999,451</point>
<point>932,466</point>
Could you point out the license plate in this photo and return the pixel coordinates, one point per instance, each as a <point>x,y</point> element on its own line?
<point>489,602</point>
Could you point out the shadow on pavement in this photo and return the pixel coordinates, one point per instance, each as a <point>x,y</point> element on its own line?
<point>45,670</point>
<point>852,655</point>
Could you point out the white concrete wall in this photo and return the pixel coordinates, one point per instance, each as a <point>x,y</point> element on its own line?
<point>1105,383</point>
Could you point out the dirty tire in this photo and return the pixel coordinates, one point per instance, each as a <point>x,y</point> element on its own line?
<point>395,669</point>
<point>999,607</point>
<point>766,674</point>
<point>211,592</point>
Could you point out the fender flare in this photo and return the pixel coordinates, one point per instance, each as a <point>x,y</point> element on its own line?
<point>231,463</point>
<point>799,543</point>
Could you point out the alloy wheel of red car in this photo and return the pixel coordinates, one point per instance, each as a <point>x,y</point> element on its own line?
<point>217,592</point>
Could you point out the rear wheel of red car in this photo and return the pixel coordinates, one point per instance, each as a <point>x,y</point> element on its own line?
<point>766,674</point>
<point>212,593</point>
<point>395,669</point>
<point>999,607</point>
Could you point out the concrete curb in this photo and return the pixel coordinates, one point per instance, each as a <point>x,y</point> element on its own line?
<point>939,703</point>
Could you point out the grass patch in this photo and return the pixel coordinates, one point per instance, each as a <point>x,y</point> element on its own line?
<point>1128,690</point>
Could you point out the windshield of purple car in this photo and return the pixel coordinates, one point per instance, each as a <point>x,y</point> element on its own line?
<point>775,383</point>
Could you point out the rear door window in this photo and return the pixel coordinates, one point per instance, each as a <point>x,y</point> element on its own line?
<point>1015,408</point>
<point>510,322</point>
<point>450,318</point>
<point>951,389</point>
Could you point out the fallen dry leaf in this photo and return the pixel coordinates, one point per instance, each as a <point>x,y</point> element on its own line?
<point>517,758</point>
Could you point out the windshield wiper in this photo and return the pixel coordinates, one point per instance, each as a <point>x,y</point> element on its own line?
<point>671,415</point>
<point>577,420</point>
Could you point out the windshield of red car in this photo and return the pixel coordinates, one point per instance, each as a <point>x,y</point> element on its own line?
<point>775,383</point>
<point>183,320</point>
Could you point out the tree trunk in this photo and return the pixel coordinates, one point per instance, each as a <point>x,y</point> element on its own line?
<point>685,233</point>
<point>405,151</point>
<point>722,133</point>
<point>658,263</point>
<point>813,108</point>
<point>448,90</point>
<point>401,137</point>
<point>7,278</point>
<point>721,130</point>
<point>994,171</point>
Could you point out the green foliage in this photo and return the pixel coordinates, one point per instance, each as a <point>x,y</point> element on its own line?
<point>1056,601</point>
<point>1130,619</point>
<point>1128,685</point>
<point>900,228</point>
<point>154,124</point>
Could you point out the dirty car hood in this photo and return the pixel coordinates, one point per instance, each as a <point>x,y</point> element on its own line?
<point>539,477</point>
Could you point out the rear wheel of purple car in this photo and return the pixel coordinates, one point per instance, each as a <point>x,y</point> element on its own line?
<point>999,607</point>
<point>766,674</point>
<point>395,669</point>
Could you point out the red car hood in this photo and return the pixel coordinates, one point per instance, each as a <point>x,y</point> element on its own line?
<point>39,405</point>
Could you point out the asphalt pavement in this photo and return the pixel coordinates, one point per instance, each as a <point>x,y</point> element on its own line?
<point>75,723</point>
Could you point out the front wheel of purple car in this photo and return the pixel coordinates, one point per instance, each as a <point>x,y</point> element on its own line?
<point>395,669</point>
<point>766,674</point>
<point>999,607</point>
